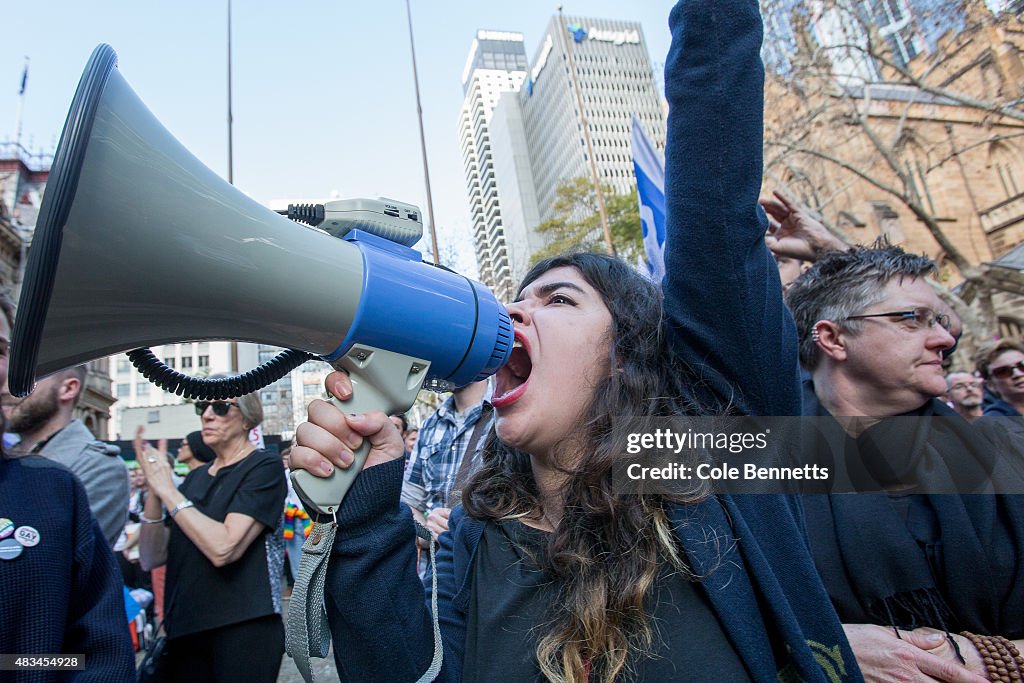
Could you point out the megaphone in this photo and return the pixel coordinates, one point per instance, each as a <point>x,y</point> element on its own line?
<point>139,244</point>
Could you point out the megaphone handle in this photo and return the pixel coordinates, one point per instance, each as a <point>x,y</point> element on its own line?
<point>381,380</point>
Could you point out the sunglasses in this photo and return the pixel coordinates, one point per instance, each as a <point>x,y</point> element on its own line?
<point>1006,371</point>
<point>220,408</point>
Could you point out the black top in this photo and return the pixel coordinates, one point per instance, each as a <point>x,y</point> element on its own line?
<point>201,596</point>
<point>508,604</point>
<point>951,562</point>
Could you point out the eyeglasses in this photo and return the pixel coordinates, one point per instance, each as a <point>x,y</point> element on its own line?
<point>1006,371</point>
<point>915,318</point>
<point>220,408</point>
<point>964,386</point>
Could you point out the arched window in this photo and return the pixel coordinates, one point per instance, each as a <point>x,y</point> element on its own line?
<point>916,163</point>
<point>1003,159</point>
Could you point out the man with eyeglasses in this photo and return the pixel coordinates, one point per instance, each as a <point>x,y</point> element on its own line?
<point>873,336</point>
<point>964,394</point>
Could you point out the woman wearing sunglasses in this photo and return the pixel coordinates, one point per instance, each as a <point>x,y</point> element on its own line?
<point>1001,364</point>
<point>218,533</point>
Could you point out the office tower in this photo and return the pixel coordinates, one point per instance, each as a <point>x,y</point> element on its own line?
<point>616,82</point>
<point>496,64</point>
<point>521,130</point>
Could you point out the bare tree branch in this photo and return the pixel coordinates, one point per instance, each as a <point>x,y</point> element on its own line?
<point>841,163</point>
<point>980,143</point>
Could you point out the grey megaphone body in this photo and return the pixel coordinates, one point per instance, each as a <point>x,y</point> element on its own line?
<point>139,244</point>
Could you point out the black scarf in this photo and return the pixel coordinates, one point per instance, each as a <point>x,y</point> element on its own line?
<point>948,561</point>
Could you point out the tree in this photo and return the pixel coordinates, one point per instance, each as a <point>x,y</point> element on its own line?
<point>904,115</point>
<point>576,225</point>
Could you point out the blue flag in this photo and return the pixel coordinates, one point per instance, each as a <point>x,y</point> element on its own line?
<point>649,167</point>
<point>24,79</point>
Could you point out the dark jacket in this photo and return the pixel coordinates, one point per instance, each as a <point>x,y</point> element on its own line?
<point>944,560</point>
<point>64,594</point>
<point>1000,408</point>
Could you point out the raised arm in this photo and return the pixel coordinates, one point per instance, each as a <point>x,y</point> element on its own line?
<point>723,300</point>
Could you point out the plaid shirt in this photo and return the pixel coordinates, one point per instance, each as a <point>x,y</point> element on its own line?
<point>439,450</point>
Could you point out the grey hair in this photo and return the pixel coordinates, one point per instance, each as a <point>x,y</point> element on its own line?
<point>845,283</point>
<point>249,405</point>
<point>950,376</point>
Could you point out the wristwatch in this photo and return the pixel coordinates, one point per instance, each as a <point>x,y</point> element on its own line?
<point>180,506</point>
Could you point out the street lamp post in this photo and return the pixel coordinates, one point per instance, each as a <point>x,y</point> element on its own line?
<point>423,141</point>
<point>233,353</point>
<point>231,156</point>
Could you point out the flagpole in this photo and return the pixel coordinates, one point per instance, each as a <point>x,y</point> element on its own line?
<point>231,174</point>
<point>233,346</point>
<point>21,107</point>
<point>423,141</point>
<point>15,221</point>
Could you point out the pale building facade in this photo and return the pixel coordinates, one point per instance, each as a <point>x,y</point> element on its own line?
<point>496,64</point>
<point>616,82</point>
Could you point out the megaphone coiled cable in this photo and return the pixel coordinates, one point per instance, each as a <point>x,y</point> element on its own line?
<point>203,389</point>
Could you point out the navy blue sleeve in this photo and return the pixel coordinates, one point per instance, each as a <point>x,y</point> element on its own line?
<point>452,620</point>
<point>723,299</point>
<point>96,621</point>
<point>380,623</point>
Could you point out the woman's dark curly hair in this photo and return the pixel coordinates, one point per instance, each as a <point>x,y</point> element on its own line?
<point>606,550</point>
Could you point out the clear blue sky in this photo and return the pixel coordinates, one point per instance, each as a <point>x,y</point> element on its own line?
<point>323,94</point>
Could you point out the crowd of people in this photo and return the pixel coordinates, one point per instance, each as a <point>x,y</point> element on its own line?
<point>762,313</point>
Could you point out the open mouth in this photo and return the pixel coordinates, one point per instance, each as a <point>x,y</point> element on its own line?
<point>510,382</point>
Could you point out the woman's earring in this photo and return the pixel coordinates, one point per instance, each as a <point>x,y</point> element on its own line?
<point>816,335</point>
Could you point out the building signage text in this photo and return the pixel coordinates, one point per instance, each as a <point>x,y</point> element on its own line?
<point>542,59</point>
<point>616,37</point>
<point>499,35</point>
